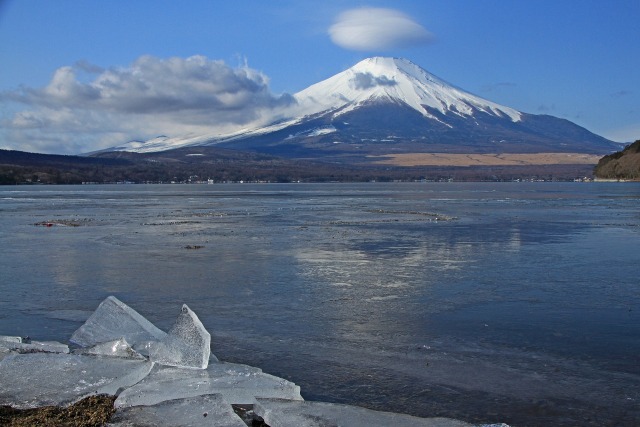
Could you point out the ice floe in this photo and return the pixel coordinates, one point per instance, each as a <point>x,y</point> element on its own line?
<point>201,411</point>
<point>26,345</point>
<point>188,344</point>
<point>115,348</point>
<point>238,384</point>
<point>113,320</point>
<point>8,339</point>
<point>39,379</point>
<point>286,413</point>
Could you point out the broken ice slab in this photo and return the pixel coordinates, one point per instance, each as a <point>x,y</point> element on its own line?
<point>6,338</point>
<point>39,379</point>
<point>187,345</point>
<point>239,384</point>
<point>281,413</point>
<point>115,348</point>
<point>4,352</point>
<point>113,320</point>
<point>35,346</point>
<point>201,411</point>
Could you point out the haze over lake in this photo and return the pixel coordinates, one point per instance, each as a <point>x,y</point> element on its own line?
<point>513,302</point>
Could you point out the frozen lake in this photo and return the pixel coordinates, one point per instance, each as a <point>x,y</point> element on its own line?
<point>512,302</point>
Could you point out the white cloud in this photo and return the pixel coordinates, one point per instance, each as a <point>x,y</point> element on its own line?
<point>374,29</point>
<point>152,96</point>
<point>367,80</point>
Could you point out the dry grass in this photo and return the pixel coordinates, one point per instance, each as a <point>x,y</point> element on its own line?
<point>93,411</point>
<point>505,159</point>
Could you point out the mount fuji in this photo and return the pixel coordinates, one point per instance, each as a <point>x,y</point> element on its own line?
<point>387,106</point>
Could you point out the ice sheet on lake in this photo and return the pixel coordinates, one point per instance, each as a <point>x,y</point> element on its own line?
<point>38,379</point>
<point>34,346</point>
<point>239,384</point>
<point>286,413</point>
<point>113,320</point>
<point>187,345</point>
<point>71,315</point>
<point>115,348</point>
<point>201,411</point>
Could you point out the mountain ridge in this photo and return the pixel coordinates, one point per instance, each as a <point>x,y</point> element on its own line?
<point>387,105</point>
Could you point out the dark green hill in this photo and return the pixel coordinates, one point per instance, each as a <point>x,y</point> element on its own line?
<point>623,164</point>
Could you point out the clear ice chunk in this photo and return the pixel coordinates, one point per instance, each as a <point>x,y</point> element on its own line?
<point>238,384</point>
<point>6,338</point>
<point>35,346</point>
<point>187,345</point>
<point>39,379</point>
<point>281,413</point>
<point>115,348</point>
<point>113,320</point>
<point>201,411</point>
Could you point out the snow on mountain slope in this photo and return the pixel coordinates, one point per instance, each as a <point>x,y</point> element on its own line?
<point>396,80</point>
<point>162,143</point>
<point>373,80</point>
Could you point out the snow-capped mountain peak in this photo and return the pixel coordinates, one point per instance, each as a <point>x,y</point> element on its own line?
<point>396,80</point>
<point>388,104</point>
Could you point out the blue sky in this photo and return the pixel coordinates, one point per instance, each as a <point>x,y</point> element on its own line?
<point>76,76</point>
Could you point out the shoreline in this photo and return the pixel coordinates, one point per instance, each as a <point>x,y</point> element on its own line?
<point>160,379</point>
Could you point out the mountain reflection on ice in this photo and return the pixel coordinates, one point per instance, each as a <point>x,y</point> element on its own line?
<point>513,302</point>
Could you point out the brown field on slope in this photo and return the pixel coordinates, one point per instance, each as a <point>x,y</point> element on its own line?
<point>505,159</point>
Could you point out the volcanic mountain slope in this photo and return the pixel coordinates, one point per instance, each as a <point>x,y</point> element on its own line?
<point>388,106</point>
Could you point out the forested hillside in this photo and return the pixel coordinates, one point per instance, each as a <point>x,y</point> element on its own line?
<point>623,164</point>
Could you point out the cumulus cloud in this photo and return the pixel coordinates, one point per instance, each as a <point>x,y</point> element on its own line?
<point>374,29</point>
<point>152,96</point>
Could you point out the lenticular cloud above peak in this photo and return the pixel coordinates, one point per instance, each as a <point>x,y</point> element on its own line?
<point>371,29</point>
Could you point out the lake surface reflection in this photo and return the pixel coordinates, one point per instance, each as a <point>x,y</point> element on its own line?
<point>511,302</point>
